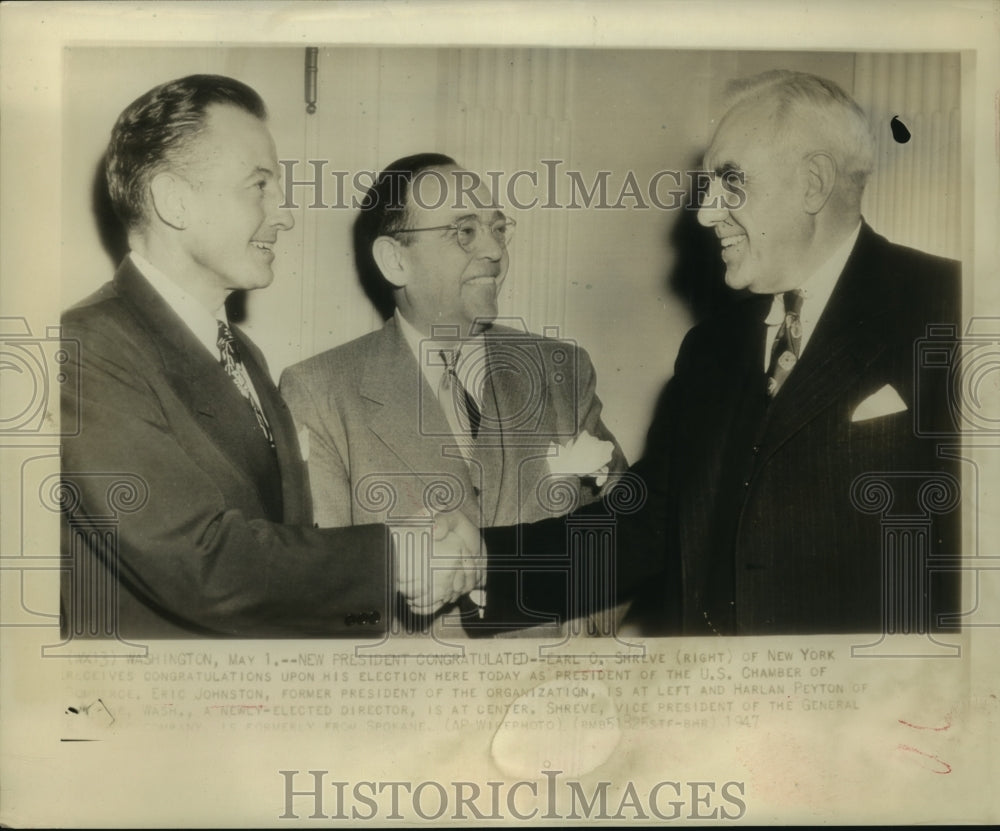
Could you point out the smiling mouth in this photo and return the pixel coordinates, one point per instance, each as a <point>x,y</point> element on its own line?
<point>263,246</point>
<point>731,246</point>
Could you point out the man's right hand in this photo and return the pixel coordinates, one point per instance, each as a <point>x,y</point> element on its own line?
<point>454,566</point>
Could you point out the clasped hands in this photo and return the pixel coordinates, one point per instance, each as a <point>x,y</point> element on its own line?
<point>432,576</point>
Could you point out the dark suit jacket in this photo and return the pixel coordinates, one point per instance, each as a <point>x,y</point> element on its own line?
<point>750,503</point>
<point>217,537</point>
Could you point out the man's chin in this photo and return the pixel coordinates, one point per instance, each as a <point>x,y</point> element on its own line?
<point>737,281</point>
<point>259,280</point>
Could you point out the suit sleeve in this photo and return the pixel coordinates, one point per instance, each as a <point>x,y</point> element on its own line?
<point>322,432</point>
<point>589,409</point>
<point>548,567</point>
<point>189,544</point>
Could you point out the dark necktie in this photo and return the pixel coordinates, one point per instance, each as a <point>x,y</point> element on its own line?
<point>785,351</point>
<point>229,352</point>
<point>469,415</point>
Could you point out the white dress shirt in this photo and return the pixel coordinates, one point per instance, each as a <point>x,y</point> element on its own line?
<point>816,291</point>
<point>470,369</point>
<point>204,325</point>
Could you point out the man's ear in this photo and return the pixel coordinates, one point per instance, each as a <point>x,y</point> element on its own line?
<point>389,258</point>
<point>821,176</point>
<point>168,193</point>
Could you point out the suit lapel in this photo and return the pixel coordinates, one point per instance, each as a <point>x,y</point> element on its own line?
<point>490,445</point>
<point>848,337</point>
<point>404,414</point>
<point>516,413</point>
<point>196,379</point>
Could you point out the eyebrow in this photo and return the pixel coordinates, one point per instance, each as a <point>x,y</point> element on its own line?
<point>259,171</point>
<point>497,214</point>
<point>723,168</point>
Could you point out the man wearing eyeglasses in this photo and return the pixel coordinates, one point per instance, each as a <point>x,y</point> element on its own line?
<point>791,486</point>
<point>443,408</point>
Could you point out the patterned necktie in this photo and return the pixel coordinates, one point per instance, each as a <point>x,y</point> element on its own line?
<point>785,351</point>
<point>229,351</point>
<point>469,415</point>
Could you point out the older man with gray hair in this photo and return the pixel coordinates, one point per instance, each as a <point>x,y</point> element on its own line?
<point>794,411</point>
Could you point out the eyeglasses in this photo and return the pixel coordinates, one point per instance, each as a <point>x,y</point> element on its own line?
<point>471,230</point>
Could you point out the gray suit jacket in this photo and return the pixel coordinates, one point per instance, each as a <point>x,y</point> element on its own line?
<point>379,446</point>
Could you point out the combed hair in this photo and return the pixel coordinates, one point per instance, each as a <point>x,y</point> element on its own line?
<point>383,213</point>
<point>821,108</point>
<point>153,133</point>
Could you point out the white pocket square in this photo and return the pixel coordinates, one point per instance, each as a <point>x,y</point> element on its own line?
<point>882,403</point>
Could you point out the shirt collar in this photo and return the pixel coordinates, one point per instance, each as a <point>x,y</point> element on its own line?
<point>427,352</point>
<point>818,287</point>
<point>202,323</point>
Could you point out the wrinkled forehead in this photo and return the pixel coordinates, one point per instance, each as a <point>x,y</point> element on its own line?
<point>747,132</point>
<point>450,192</point>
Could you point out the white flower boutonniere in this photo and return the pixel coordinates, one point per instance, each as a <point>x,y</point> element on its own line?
<point>585,456</point>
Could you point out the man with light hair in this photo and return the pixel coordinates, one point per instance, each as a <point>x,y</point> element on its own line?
<point>821,109</point>
<point>794,410</point>
<point>782,403</point>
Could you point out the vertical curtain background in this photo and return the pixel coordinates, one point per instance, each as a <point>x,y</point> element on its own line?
<point>506,110</point>
<point>617,281</point>
<point>914,196</point>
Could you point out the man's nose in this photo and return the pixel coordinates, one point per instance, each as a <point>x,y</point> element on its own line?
<point>279,217</point>
<point>712,209</point>
<point>282,219</point>
<point>488,246</point>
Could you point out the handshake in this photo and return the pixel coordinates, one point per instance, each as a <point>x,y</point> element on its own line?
<point>435,570</point>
